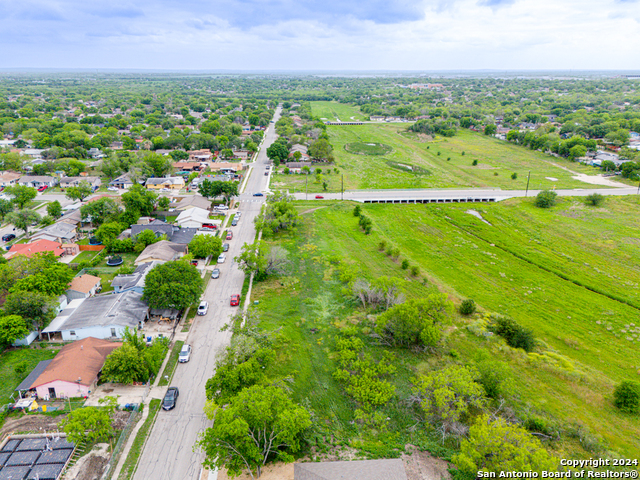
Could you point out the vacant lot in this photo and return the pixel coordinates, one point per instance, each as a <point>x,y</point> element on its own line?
<point>16,364</point>
<point>437,163</point>
<point>567,273</point>
<point>334,111</point>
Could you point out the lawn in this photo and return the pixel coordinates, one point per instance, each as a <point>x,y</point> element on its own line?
<point>334,111</point>
<point>419,162</point>
<point>567,273</point>
<point>13,357</point>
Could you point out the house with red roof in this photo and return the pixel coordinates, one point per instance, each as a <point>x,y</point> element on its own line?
<point>30,249</point>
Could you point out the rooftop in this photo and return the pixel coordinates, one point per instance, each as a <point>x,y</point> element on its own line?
<point>84,283</point>
<point>42,245</point>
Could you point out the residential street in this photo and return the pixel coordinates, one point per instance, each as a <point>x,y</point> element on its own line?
<point>168,454</point>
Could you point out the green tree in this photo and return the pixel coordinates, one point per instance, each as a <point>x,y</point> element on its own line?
<point>447,395</point>
<point>12,328</point>
<point>100,211</point>
<point>608,166</point>
<point>173,285</point>
<point>468,307</point>
<point>497,446</point>
<point>54,209</point>
<point>261,424</point>
<point>577,151</point>
<point>53,281</point>
<point>21,194</point>
<point>34,307</point>
<point>320,149</point>
<point>204,245</point>
<point>594,199</point>
<point>160,165</point>
<point>140,200</point>
<point>23,219</point>
<point>90,424</point>
<point>6,207</point>
<point>490,129</point>
<point>415,322</point>
<point>277,151</point>
<point>280,214</point>
<point>626,396</point>
<point>163,203</point>
<point>146,238</point>
<point>125,364</point>
<point>545,199</point>
<point>261,260</point>
<point>82,191</point>
<point>108,231</point>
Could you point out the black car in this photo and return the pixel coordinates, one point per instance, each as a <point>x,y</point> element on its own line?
<point>170,398</point>
<point>259,194</point>
<point>8,237</point>
<point>225,247</point>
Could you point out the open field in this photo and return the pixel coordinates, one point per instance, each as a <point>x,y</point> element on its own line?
<point>438,163</point>
<point>334,111</point>
<point>567,273</point>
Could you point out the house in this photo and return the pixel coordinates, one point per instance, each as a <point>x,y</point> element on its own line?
<point>83,286</point>
<point>122,182</point>
<point>8,179</point>
<point>193,217</point>
<point>133,282</point>
<point>170,314</point>
<point>203,155</point>
<point>74,371</point>
<point>174,233</point>
<point>66,182</point>
<point>37,181</point>
<point>187,166</point>
<point>391,469</point>
<point>74,217</point>
<point>296,167</point>
<point>242,155</point>
<point>226,167</point>
<point>163,251</point>
<point>102,316</point>
<point>172,183</point>
<point>193,201</point>
<point>30,249</point>
<point>58,232</point>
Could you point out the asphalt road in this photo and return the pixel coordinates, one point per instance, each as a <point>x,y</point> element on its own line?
<point>168,454</point>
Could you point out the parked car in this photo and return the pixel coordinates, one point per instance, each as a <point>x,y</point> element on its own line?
<point>185,354</point>
<point>235,300</point>
<point>112,189</point>
<point>8,237</point>
<point>238,214</point>
<point>225,247</point>
<point>210,226</point>
<point>319,197</point>
<point>203,308</point>
<point>42,188</point>
<point>170,398</point>
<point>258,194</point>
<point>221,207</point>
<point>215,273</point>
<point>222,258</point>
<point>234,222</point>
<point>229,235</point>
<point>266,173</point>
<point>194,263</point>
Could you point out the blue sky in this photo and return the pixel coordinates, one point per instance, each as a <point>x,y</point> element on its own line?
<point>321,34</point>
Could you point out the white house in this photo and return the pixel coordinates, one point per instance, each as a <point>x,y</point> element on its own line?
<point>37,181</point>
<point>193,217</point>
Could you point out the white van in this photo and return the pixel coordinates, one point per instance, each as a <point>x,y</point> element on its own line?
<point>222,258</point>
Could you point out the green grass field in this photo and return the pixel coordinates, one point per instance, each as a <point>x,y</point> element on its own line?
<point>569,273</point>
<point>334,111</point>
<point>10,359</point>
<point>440,162</point>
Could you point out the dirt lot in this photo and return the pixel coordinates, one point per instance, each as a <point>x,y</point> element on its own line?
<point>30,423</point>
<point>91,466</point>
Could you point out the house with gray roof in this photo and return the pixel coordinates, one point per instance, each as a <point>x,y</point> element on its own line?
<point>163,251</point>
<point>37,181</point>
<point>102,316</point>
<point>193,201</point>
<point>391,469</point>
<point>122,182</point>
<point>60,232</point>
<point>67,182</point>
<point>174,233</point>
<point>133,282</point>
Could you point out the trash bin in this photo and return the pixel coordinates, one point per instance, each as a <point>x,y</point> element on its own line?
<point>44,409</point>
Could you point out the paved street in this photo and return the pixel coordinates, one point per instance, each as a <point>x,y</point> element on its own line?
<point>168,453</point>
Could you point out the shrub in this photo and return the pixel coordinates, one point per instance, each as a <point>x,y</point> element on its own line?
<point>514,175</point>
<point>463,153</point>
<point>515,334</point>
<point>395,253</point>
<point>389,251</point>
<point>415,271</point>
<point>595,199</point>
<point>468,307</point>
<point>626,396</point>
<point>367,229</point>
<point>382,245</point>
<point>448,159</point>
<point>545,199</point>
<point>474,163</point>
<point>438,153</point>
<point>357,211</point>
<point>405,264</point>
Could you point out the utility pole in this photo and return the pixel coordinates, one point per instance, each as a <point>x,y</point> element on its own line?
<point>638,192</point>
<point>306,182</point>
<point>342,188</point>
<point>528,177</point>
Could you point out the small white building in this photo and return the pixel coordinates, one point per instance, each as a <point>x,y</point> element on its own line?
<point>193,217</point>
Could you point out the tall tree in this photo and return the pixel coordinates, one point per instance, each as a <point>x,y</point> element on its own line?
<point>35,307</point>
<point>100,211</point>
<point>54,209</point>
<point>53,281</point>
<point>140,200</point>
<point>172,285</point>
<point>204,245</point>
<point>90,424</point>
<point>6,206</point>
<point>82,191</point>
<point>259,425</point>
<point>22,195</point>
<point>12,328</point>
<point>23,219</point>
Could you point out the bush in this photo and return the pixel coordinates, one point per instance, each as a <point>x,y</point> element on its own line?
<point>415,271</point>
<point>405,264</point>
<point>474,163</point>
<point>545,199</point>
<point>626,396</point>
<point>382,245</point>
<point>357,211</point>
<point>463,153</point>
<point>595,199</point>
<point>515,334</point>
<point>389,251</point>
<point>514,175</point>
<point>468,307</point>
<point>395,253</point>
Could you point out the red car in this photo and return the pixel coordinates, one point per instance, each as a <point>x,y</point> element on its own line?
<point>235,300</point>
<point>194,263</point>
<point>319,196</point>
<point>42,188</point>
<point>229,235</point>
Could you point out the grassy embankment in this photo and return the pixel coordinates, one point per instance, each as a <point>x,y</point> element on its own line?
<point>567,273</point>
<point>436,163</point>
<point>334,111</point>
